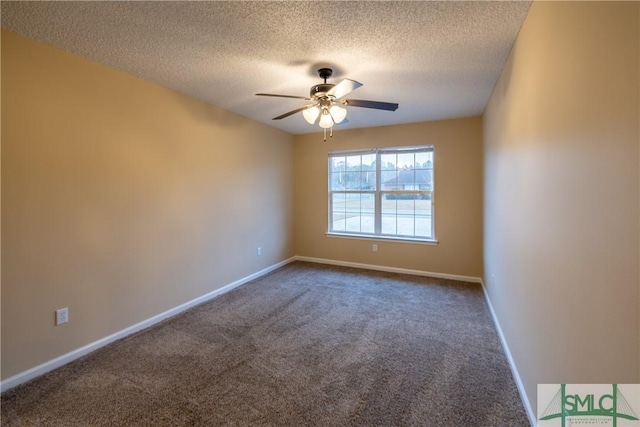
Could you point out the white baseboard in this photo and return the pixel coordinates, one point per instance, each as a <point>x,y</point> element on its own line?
<point>512,364</point>
<point>75,354</point>
<point>389,269</point>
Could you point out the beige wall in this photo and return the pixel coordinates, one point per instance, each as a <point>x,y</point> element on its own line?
<point>122,199</point>
<point>458,189</point>
<point>562,190</point>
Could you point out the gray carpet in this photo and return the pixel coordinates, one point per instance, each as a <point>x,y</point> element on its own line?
<point>307,345</point>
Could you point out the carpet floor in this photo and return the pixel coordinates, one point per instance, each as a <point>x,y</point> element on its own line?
<point>307,345</point>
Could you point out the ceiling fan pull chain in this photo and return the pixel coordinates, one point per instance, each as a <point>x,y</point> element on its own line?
<point>325,135</point>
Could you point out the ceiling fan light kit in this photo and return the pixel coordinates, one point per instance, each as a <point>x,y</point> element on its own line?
<point>328,103</point>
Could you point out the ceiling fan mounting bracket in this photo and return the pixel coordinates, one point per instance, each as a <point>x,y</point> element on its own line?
<point>325,73</point>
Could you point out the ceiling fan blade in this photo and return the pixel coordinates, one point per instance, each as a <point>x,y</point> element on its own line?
<point>389,106</point>
<point>284,96</point>
<point>344,87</point>
<point>297,110</point>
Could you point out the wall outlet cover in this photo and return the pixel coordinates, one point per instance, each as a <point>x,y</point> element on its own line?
<point>62,316</point>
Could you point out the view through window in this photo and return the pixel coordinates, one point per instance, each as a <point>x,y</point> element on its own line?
<point>382,192</point>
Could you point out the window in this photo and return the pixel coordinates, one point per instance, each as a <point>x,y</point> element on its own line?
<point>382,193</point>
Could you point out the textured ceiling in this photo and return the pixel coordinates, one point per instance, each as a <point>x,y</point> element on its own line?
<point>437,60</point>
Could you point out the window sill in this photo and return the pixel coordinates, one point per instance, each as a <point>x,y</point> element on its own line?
<point>382,238</point>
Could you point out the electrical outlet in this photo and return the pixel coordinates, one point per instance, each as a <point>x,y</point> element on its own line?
<point>62,316</point>
<point>259,250</point>
<point>375,248</point>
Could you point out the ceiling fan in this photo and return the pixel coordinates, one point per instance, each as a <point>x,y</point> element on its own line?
<point>327,101</point>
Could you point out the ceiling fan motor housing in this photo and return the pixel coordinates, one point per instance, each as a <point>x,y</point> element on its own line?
<point>320,91</point>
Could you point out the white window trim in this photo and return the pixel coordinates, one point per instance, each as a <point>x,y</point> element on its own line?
<point>381,238</point>
<point>377,235</point>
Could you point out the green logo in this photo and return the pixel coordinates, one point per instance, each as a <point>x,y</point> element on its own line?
<point>583,405</point>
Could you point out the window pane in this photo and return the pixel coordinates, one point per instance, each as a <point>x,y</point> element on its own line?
<point>405,213</point>
<point>338,213</point>
<point>354,162</point>
<point>422,159</point>
<point>337,181</point>
<point>353,212</point>
<point>389,209</point>
<point>369,160</point>
<point>388,161</point>
<point>405,161</point>
<point>360,215</point>
<point>338,163</point>
<point>423,218</point>
<point>352,172</point>
<point>388,180</point>
<point>368,172</point>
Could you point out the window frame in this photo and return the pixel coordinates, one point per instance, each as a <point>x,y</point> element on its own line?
<point>379,193</point>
